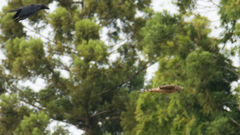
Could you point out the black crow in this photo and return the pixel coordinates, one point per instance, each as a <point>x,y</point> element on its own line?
<point>27,11</point>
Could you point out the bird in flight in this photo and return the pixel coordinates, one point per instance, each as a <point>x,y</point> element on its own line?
<point>165,89</point>
<point>27,11</point>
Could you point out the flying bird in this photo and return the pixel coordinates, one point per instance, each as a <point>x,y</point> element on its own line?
<point>165,89</point>
<point>27,11</point>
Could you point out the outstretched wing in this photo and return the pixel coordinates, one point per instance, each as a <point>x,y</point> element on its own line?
<point>157,90</point>
<point>25,12</point>
<point>16,15</point>
<point>169,87</point>
<point>165,89</point>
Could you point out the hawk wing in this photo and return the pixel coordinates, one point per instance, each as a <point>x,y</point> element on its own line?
<point>157,90</point>
<point>169,87</point>
<point>165,89</point>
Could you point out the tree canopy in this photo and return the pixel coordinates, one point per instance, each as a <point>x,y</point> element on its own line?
<point>92,83</point>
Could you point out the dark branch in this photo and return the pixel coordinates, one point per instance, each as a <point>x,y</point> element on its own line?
<point>88,98</point>
<point>199,37</point>
<point>102,112</point>
<point>76,2</point>
<point>185,32</point>
<point>129,78</point>
<point>78,126</point>
<point>30,104</point>
<point>48,65</point>
<point>112,118</point>
<point>51,70</point>
<point>76,117</point>
<point>231,70</point>
<point>82,119</point>
<point>39,34</point>
<point>234,121</point>
<point>2,90</point>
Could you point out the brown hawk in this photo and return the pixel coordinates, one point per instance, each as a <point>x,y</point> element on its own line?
<point>165,89</point>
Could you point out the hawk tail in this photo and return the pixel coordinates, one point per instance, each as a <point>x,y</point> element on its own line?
<point>148,90</point>
<point>142,90</point>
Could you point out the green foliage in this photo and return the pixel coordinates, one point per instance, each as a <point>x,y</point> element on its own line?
<point>86,30</point>
<point>157,33</point>
<point>96,88</point>
<point>9,29</point>
<point>59,130</point>
<point>93,51</point>
<point>185,5</point>
<point>12,112</point>
<point>60,20</point>
<point>27,54</point>
<point>197,62</point>
<point>35,124</point>
<point>205,74</point>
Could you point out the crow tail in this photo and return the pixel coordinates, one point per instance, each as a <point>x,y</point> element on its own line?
<point>17,20</point>
<point>15,10</point>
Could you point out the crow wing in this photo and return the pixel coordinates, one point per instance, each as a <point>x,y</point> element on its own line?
<point>16,15</point>
<point>25,12</point>
<point>29,10</point>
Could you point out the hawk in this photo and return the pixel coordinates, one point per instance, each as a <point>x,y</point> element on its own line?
<point>27,11</point>
<point>165,89</point>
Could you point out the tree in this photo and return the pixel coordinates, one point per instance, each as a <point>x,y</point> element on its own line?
<point>193,60</point>
<point>92,96</point>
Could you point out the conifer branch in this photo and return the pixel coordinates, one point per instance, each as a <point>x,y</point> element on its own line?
<point>38,34</point>
<point>234,121</point>
<point>26,102</point>
<point>185,32</point>
<point>199,37</point>
<point>124,82</point>
<point>2,90</point>
<point>82,119</point>
<point>112,118</point>
<point>67,47</point>
<point>102,112</point>
<point>58,79</point>
<point>231,70</point>
<point>76,117</point>
<point>119,42</point>
<point>76,2</point>
<point>44,110</point>
<point>78,126</point>
<point>88,98</point>
<point>184,111</point>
